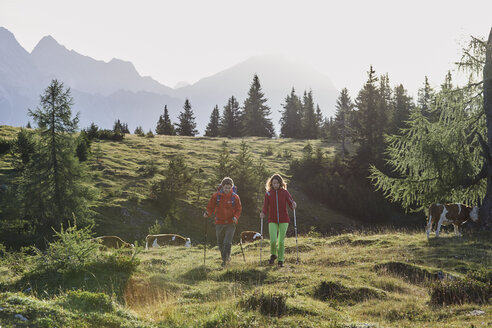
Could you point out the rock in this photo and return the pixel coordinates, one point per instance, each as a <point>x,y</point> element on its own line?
<point>21,317</point>
<point>476,312</point>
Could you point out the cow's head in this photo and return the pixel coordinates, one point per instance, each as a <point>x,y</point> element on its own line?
<point>474,214</point>
<point>188,242</point>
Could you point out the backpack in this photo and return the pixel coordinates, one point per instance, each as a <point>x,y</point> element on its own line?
<point>234,192</point>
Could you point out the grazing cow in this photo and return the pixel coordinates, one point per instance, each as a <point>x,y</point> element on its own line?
<point>455,214</point>
<point>112,242</point>
<point>249,236</point>
<point>166,239</point>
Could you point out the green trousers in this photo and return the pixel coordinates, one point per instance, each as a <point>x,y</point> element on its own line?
<point>281,230</point>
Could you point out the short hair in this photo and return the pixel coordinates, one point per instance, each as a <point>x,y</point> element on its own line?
<point>228,181</point>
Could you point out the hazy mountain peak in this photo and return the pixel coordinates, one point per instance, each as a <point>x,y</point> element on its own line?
<point>47,43</point>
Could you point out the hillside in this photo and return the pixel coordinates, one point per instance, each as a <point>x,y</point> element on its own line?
<point>352,280</point>
<point>123,172</point>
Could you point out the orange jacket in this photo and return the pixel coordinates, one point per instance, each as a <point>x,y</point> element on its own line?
<point>225,210</point>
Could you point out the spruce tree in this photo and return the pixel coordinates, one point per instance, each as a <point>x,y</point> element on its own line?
<point>290,122</point>
<point>369,122</point>
<point>309,119</point>
<point>403,105</point>
<point>344,109</point>
<point>212,129</point>
<point>425,100</point>
<point>53,187</point>
<point>256,121</point>
<point>230,124</point>
<point>186,125</point>
<point>164,125</point>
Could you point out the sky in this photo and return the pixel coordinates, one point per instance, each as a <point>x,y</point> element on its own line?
<point>186,40</point>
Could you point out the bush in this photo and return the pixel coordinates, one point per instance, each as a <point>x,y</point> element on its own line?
<point>139,131</point>
<point>23,148</point>
<point>268,304</point>
<point>460,291</point>
<point>149,134</point>
<point>110,135</point>
<point>72,249</point>
<point>83,146</point>
<point>5,146</point>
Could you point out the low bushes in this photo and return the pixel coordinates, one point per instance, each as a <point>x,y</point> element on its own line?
<point>460,291</point>
<point>335,291</point>
<point>271,304</point>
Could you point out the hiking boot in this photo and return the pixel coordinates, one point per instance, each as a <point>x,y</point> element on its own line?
<point>280,264</point>
<point>272,259</point>
<point>224,263</point>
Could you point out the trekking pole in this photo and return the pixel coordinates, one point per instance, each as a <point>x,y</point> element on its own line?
<point>205,246</point>
<point>295,229</point>
<point>261,240</point>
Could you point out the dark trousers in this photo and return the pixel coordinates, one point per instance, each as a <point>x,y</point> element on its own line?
<point>225,232</point>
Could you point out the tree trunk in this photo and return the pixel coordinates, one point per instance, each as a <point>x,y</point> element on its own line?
<point>486,210</point>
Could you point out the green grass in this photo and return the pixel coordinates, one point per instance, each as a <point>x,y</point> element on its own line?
<point>340,282</point>
<point>125,171</point>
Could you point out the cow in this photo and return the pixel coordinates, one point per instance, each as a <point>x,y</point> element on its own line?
<point>456,214</point>
<point>111,242</point>
<point>166,239</point>
<point>249,236</point>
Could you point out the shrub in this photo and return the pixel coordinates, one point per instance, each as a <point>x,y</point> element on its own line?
<point>110,135</point>
<point>71,250</point>
<point>150,134</point>
<point>273,304</point>
<point>5,146</point>
<point>412,273</point>
<point>139,131</point>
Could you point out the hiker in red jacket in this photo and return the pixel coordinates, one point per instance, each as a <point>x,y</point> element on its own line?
<point>226,206</point>
<point>277,198</point>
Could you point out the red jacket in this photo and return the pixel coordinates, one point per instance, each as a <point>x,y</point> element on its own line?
<point>275,205</point>
<point>226,209</point>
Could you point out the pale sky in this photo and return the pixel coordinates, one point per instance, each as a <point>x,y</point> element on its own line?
<point>185,40</point>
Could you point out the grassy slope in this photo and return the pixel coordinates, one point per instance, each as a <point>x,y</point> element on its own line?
<point>124,187</point>
<point>172,288</point>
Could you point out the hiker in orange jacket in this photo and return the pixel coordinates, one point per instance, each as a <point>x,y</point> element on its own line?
<point>226,206</point>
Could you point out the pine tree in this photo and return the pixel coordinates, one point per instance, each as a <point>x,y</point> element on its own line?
<point>319,121</point>
<point>212,129</point>
<point>245,177</point>
<point>369,122</point>
<point>425,100</point>
<point>52,186</point>
<point>309,119</point>
<point>403,105</point>
<point>186,125</point>
<point>290,122</point>
<point>164,125</point>
<point>230,124</point>
<point>344,112</point>
<point>256,121</point>
<point>385,104</point>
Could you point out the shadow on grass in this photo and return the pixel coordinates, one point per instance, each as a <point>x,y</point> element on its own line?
<point>196,274</point>
<point>251,276</point>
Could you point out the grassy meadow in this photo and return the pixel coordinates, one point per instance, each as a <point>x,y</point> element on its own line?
<point>378,278</point>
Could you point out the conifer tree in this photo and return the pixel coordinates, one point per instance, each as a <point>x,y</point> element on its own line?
<point>403,105</point>
<point>369,122</point>
<point>52,186</point>
<point>290,122</point>
<point>344,109</point>
<point>309,119</point>
<point>256,121</point>
<point>186,125</point>
<point>230,124</point>
<point>164,125</point>
<point>212,129</point>
<point>425,100</point>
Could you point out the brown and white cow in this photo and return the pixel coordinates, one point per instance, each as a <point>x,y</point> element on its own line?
<point>112,242</point>
<point>455,214</point>
<point>249,236</point>
<point>166,240</point>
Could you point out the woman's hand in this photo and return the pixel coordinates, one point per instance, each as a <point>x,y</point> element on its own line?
<point>234,220</point>
<point>262,215</point>
<point>294,205</point>
<point>205,214</point>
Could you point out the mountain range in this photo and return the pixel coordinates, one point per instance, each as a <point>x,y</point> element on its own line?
<point>106,91</point>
